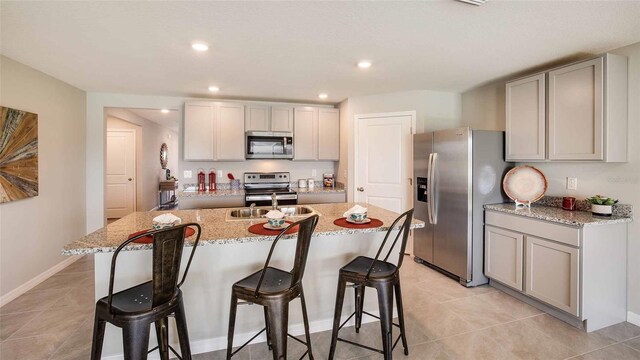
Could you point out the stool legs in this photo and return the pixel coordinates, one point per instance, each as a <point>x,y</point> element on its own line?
<point>232,325</point>
<point>268,329</point>
<point>342,284</point>
<point>401,317</point>
<point>305,318</point>
<point>183,333</point>
<point>98,338</point>
<point>162,334</point>
<point>278,314</point>
<point>135,340</point>
<point>359,302</point>
<point>385,304</point>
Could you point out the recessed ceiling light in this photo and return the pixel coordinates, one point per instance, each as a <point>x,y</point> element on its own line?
<point>214,88</point>
<point>199,46</point>
<point>364,64</point>
<point>164,111</point>
<point>323,96</point>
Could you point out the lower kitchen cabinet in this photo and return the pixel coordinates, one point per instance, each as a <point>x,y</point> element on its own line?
<point>576,273</point>
<point>210,202</point>
<point>321,198</point>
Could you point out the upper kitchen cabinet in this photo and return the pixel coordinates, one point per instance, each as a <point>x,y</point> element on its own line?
<point>526,120</point>
<point>305,133</point>
<point>282,118</point>
<point>586,113</point>
<point>328,134</point>
<point>257,118</point>
<point>199,125</point>
<point>213,131</point>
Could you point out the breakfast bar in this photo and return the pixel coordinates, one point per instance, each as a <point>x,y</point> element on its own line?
<point>227,252</point>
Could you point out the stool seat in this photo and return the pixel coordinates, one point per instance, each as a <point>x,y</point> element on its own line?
<point>137,299</point>
<point>274,281</point>
<point>361,265</point>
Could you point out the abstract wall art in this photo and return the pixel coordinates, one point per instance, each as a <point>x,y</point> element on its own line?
<point>18,154</point>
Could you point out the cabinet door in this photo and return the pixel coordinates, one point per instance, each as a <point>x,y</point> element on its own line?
<point>305,139</point>
<point>552,273</point>
<point>230,132</point>
<point>198,132</point>
<point>525,114</point>
<point>257,118</point>
<point>328,134</point>
<point>282,118</point>
<point>576,112</point>
<point>503,254</point>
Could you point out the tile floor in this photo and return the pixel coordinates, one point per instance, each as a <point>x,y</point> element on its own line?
<point>445,321</point>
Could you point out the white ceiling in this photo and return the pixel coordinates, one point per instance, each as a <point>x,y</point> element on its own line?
<point>295,50</point>
<point>170,120</point>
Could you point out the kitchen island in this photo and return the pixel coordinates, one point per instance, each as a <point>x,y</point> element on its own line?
<point>228,252</point>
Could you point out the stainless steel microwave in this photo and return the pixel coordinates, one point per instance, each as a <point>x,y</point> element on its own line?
<point>269,145</point>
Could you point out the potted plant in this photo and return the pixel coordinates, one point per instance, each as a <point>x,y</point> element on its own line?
<point>601,205</point>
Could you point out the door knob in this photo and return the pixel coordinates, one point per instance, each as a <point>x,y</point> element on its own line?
<point>129,179</point>
<point>361,189</point>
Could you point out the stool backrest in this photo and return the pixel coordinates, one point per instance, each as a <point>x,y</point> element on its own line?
<point>403,231</point>
<point>305,230</point>
<point>168,245</point>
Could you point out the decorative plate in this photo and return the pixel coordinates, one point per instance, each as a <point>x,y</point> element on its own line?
<point>525,184</point>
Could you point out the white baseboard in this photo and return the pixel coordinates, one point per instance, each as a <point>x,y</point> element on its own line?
<point>633,318</point>
<point>11,295</point>
<point>218,343</point>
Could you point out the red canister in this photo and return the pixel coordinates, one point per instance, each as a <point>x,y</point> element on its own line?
<point>212,180</point>
<point>569,203</point>
<point>201,180</point>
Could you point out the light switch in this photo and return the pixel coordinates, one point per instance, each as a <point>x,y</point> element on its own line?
<point>314,173</point>
<point>188,174</point>
<point>572,183</point>
<point>219,174</point>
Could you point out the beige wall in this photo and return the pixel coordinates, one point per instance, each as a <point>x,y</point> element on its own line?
<point>33,231</point>
<point>483,108</point>
<point>149,138</point>
<point>435,110</point>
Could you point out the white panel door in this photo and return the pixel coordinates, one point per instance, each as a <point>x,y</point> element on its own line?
<point>257,118</point>
<point>503,255</point>
<point>383,161</point>
<point>305,138</point>
<point>282,118</point>
<point>576,127</point>
<point>328,134</point>
<point>526,120</point>
<point>199,132</point>
<point>230,132</point>
<point>120,185</point>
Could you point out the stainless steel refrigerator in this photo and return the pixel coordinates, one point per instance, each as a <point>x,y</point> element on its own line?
<point>456,172</point>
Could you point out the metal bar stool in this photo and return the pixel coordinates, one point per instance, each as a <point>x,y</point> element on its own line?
<point>382,275</point>
<point>135,308</point>
<point>274,289</point>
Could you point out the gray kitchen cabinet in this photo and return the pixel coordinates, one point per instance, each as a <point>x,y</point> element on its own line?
<point>576,273</point>
<point>526,119</point>
<point>503,255</point>
<point>199,125</point>
<point>214,131</point>
<point>210,202</point>
<point>586,113</point>
<point>321,197</point>
<point>282,118</point>
<point>552,271</point>
<point>305,135</point>
<point>328,134</point>
<point>257,118</point>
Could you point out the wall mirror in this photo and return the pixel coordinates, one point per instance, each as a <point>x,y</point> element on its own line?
<point>164,156</point>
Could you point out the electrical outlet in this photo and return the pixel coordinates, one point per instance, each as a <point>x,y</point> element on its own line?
<point>314,172</point>
<point>572,183</point>
<point>188,174</point>
<point>219,174</point>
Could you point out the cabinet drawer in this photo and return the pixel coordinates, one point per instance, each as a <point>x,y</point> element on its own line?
<point>560,233</point>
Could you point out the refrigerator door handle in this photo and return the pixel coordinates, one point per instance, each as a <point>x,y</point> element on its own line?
<point>434,196</point>
<point>429,193</point>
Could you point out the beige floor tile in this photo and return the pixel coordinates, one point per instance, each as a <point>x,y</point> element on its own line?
<point>620,332</point>
<point>508,304</point>
<point>634,343</point>
<point>31,348</point>
<point>525,342</point>
<point>64,281</point>
<point>474,345</point>
<point>33,301</point>
<point>11,323</point>
<point>82,298</point>
<point>574,338</point>
<point>261,351</point>
<point>617,352</point>
<point>77,344</point>
<point>369,335</point>
<point>479,312</point>
<point>438,321</point>
<point>222,355</point>
<point>427,351</point>
<point>416,295</point>
<point>62,320</point>
<point>446,289</point>
<point>85,264</point>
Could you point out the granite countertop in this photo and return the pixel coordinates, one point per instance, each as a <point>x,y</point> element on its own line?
<point>558,215</point>
<point>228,192</point>
<point>216,230</point>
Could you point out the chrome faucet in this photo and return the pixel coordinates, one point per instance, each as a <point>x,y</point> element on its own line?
<point>274,201</point>
<point>251,209</point>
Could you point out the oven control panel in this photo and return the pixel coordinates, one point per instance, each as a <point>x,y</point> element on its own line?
<point>266,178</point>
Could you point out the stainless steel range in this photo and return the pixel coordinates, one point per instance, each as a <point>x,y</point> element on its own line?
<point>260,187</point>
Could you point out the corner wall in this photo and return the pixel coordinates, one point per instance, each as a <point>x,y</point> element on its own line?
<point>33,231</point>
<point>484,108</point>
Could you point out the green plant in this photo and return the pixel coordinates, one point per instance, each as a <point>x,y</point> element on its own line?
<point>602,200</point>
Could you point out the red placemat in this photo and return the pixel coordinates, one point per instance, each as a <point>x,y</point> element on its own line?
<point>149,239</point>
<point>258,229</point>
<point>374,223</point>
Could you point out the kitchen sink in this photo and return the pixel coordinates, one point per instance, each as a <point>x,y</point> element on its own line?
<point>259,212</point>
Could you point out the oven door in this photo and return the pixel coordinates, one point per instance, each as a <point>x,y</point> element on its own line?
<point>269,145</point>
<point>265,200</point>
